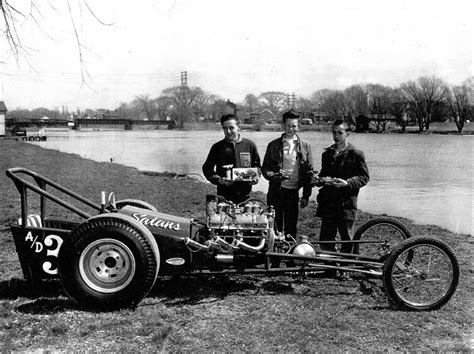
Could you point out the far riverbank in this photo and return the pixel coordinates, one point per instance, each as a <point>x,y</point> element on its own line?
<point>443,128</point>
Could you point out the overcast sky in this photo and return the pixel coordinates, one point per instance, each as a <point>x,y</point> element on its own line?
<point>232,48</point>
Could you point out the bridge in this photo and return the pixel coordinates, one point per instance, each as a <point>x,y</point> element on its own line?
<point>84,123</point>
<point>126,124</point>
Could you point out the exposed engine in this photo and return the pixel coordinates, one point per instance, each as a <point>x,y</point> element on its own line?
<point>233,227</point>
<point>242,234</point>
<point>251,215</point>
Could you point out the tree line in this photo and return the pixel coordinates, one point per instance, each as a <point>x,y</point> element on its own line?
<point>420,101</point>
<point>424,100</point>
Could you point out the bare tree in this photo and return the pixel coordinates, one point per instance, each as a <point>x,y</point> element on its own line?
<point>356,98</point>
<point>145,105</point>
<point>10,18</point>
<point>163,106</point>
<point>335,104</point>
<point>16,12</point>
<point>457,101</point>
<point>200,101</point>
<point>317,98</point>
<point>186,102</point>
<point>423,96</point>
<point>399,108</point>
<point>379,102</point>
<point>304,105</point>
<point>217,108</point>
<point>274,101</point>
<point>128,111</point>
<point>251,103</point>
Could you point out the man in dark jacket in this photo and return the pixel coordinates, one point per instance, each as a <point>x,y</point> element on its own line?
<point>343,173</point>
<point>231,152</point>
<point>288,165</point>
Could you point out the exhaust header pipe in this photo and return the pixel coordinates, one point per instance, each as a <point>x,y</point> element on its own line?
<point>249,248</point>
<point>221,245</point>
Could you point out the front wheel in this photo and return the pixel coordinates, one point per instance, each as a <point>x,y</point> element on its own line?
<point>108,262</point>
<point>421,274</point>
<point>381,234</point>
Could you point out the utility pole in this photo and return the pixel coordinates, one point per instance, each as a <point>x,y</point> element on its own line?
<point>184,78</point>
<point>184,100</point>
<point>290,100</point>
<point>184,84</point>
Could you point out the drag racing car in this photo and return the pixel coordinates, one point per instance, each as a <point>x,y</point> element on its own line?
<point>110,255</point>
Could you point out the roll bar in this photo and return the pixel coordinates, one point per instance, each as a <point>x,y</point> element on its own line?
<point>16,174</point>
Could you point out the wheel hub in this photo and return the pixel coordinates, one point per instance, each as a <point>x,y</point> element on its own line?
<point>107,265</point>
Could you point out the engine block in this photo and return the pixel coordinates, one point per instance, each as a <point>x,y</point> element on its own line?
<point>223,215</point>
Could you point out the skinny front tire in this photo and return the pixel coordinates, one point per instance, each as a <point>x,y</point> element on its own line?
<point>382,234</point>
<point>421,274</point>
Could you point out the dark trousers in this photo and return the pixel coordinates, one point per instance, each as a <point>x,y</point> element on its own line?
<point>329,228</point>
<point>286,203</point>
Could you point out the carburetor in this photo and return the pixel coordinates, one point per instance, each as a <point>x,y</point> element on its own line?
<point>225,215</point>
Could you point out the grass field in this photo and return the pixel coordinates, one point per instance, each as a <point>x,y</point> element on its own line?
<point>237,313</point>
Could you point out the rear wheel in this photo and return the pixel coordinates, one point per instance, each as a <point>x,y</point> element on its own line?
<point>108,262</point>
<point>421,274</point>
<point>387,233</point>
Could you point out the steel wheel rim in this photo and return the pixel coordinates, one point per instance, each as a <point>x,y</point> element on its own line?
<point>433,283</point>
<point>373,233</point>
<point>107,265</point>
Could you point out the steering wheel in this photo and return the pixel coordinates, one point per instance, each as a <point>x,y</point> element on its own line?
<point>112,202</point>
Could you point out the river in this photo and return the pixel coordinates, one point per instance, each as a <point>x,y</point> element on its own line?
<point>426,178</point>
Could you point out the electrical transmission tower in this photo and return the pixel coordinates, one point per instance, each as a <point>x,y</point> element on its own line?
<point>184,78</point>
<point>290,100</point>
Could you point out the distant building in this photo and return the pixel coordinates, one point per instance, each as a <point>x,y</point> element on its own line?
<point>362,123</point>
<point>106,114</point>
<point>267,116</point>
<point>319,116</point>
<point>3,111</point>
<point>263,117</point>
<point>250,118</point>
<point>231,107</point>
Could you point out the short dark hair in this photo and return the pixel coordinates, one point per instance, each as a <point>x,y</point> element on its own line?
<point>340,122</point>
<point>229,116</point>
<point>290,114</point>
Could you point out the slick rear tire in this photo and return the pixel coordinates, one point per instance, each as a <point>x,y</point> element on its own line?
<point>109,262</point>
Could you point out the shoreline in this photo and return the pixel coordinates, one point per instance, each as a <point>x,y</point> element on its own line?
<point>88,178</point>
<point>436,128</point>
